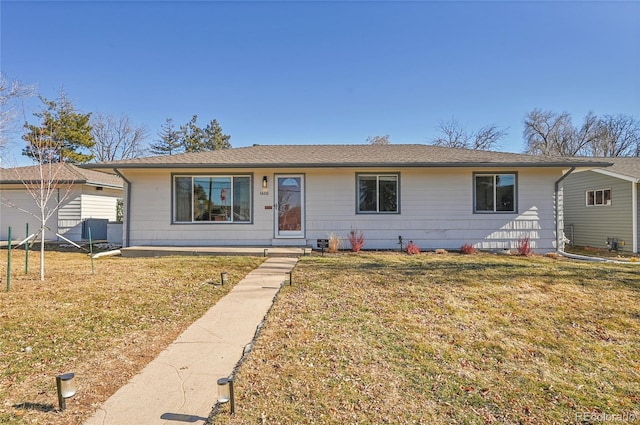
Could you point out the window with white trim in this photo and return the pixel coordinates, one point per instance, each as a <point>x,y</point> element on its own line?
<point>212,199</point>
<point>598,198</point>
<point>377,193</point>
<point>494,193</point>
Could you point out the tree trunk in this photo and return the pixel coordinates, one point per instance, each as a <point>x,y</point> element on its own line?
<point>42,250</point>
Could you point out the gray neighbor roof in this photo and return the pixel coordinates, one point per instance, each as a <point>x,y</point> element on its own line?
<point>625,166</point>
<point>315,156</point>
<point>67,174</point>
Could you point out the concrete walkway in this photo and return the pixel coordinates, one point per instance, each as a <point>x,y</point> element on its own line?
<point>180,385</point>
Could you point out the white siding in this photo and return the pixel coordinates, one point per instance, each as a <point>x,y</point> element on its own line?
<point>69,221</point>
<point>79,204</point>
<point>17,219</point>
<point>99,203</point>
<point>592,225</point>
<point>436,211</point>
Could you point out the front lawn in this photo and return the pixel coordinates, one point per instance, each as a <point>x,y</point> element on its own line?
<point>443,339</point>
<point>105,326</point>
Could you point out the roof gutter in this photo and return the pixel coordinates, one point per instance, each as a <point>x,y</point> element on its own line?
<point>127,237</point>
<point>559,237</point>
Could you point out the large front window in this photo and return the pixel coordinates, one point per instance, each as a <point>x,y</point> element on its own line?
<point>494,193</point>
<point>212,199</point>
<point>377,193</point>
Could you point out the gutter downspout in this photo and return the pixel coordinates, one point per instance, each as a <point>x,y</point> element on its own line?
<point>634,215</point>
<point>556,190</point>
<point>127,236</point>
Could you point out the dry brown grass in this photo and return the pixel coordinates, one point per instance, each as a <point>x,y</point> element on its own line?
<point>482,339</point>
<point>104,327</point>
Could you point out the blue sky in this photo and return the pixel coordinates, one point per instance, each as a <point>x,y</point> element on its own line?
<point>329,72</point>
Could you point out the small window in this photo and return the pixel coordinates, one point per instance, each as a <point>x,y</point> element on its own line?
<point>494,193</point>
<point>377,193</point>
<point>599,197</point>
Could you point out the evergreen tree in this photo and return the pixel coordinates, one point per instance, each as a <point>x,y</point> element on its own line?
<point>170,142</point>
<point>62,135</point>
<point>193,136</point>
<point>214,137</point>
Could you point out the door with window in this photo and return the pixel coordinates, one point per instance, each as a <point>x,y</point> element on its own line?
<point>289,206</point>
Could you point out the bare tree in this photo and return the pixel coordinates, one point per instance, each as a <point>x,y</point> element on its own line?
<point>487,138</point>
<point>453,135</point>
<point>48,183</point>
<point>379,140</point>
<point>117,138</point>
<point>617,136</point>
<point>553,134</point>
<point>550,133</point>
<point>10,92</point>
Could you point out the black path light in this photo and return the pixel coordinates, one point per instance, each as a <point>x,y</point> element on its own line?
<point>223,278</point>
<point>225,393</point>
<point>66,388</point>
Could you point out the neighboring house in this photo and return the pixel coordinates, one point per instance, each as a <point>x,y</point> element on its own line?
<point>601,206</point>
<point>294,195</point>
<point>85,195</point>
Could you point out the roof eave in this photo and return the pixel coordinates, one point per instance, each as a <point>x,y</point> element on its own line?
<point>588,165</point>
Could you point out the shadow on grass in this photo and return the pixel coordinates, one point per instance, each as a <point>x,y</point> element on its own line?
<point>40,407</point>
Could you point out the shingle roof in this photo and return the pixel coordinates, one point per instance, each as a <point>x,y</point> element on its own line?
<point>310,156</point>
<point>629,167</point>
<point>65,173</point>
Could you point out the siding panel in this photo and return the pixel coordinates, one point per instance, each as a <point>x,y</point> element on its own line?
<point>436,211</point>
<point>592,225</point>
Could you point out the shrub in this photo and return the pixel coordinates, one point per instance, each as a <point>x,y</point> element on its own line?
<point>412,248</point>
<point>524,247</point>
<point>467,249</point>
<point>335,242</point>
<point>356,239</point>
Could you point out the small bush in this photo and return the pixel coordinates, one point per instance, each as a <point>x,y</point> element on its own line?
<point>335,242</point>
<point>524,247</point>
<point>412,248</point>
<point>356,239</point>
<point>467,249</point>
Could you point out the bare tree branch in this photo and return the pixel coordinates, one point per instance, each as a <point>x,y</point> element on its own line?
<point>379,140</point>
<point>549,133</point>
<point>117,138</point>
<point>617,136</point>
<point>487,137</point>
<point>47,183</point>
<point>10,92</point>
<point>453,135</point>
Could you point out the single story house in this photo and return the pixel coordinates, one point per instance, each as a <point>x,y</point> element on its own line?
<point>601,206</point>
<point>293,195</point>
<point>86,198</point>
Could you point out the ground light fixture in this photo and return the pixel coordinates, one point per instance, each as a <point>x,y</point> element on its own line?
<point>225,393</point>
<point>290,273</point>
<point>223,278</point>
<point>66,388</point>
<point>266,252</point>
